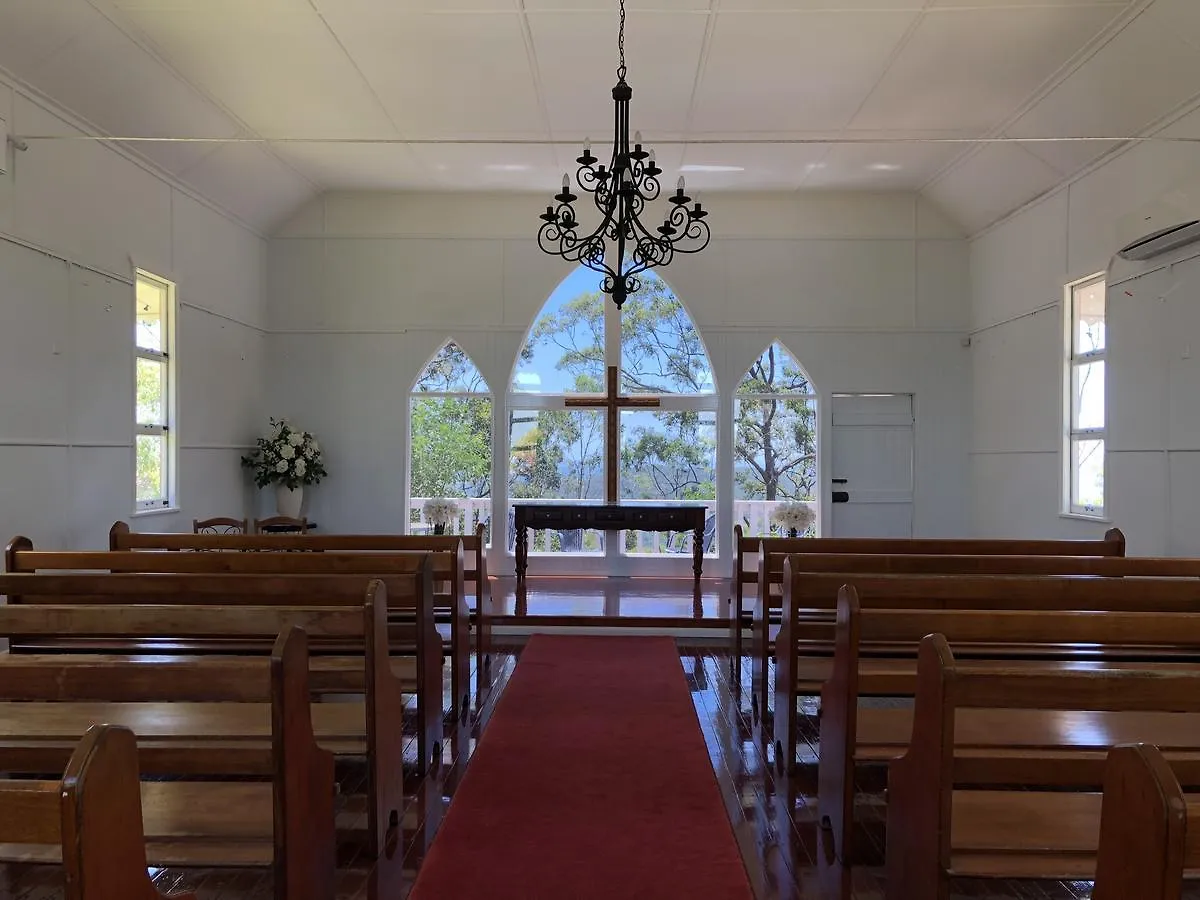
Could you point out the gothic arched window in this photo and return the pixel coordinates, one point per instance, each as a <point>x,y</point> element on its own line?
<point>450,425</point>
<point>774,439</point>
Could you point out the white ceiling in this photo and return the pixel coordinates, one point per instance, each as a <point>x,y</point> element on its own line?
<point>419,94</point>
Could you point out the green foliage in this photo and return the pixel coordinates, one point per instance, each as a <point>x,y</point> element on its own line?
<point>289,456</point>
<point>149,450</point>
<point>451,447</point>
<point>673,459</point>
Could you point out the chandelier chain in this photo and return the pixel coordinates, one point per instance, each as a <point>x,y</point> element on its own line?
<point>621,44</point>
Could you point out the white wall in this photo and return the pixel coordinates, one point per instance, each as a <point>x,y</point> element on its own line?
<point>869,291</point>
<point>1018,271</point>
<point>66,332</point>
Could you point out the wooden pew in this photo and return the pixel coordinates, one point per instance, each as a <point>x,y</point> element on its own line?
<point>848,567</point>
<point>937,831</point>
<point>408,577</point>
<point>286,823</point>
<point>747,552</point>
<point>1024,639</point>
<point>474,570</point>
<point>337,663</point>
<point>1149,831</point>
<point>205,716</point>
<point>91,819</point>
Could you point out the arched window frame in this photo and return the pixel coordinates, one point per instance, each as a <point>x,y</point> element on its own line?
<point>706,402</point>
<point>754,515</point>
<point>473,511</point>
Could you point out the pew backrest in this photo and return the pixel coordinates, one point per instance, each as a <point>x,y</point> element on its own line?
<point>474,546</point>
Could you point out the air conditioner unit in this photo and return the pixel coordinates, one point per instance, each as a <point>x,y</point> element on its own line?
<point>1161,241</point>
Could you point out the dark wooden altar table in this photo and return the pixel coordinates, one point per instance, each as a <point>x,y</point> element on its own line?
<point>572,515</point>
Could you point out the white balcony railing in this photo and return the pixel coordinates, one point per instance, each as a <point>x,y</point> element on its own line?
<point>753,515</point>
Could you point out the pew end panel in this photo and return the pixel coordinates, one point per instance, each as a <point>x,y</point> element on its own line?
<point>1143,828</point>
<point>304,822</point>
<point>760,626</point>
<point>785,724</point>
<point>918,846</point>
<point>385,748</point>
<point>103,848</point>
<point>839,732</point>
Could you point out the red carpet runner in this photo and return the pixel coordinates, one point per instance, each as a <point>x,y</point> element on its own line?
<point>591,781</point>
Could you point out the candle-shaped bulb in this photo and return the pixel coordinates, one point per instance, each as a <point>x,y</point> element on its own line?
<point>566,182</point>
<point>651,157</point>
<point>679,184</point>
<point>637,138</point>
<point>587,146</point>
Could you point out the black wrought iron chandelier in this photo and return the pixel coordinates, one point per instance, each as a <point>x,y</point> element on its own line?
<point>621,193</point>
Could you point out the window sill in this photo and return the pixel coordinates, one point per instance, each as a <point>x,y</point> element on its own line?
<point>1083,517</point>
<point>165,511</point>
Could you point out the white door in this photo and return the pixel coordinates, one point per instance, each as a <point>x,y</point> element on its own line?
<point>872,465</point>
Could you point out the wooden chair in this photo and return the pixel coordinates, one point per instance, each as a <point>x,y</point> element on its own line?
<point>220,525</point>
<point>93,817</point>
<point>281,522</point>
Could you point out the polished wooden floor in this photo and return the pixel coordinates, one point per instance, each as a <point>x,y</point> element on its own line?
<point>774,820</point>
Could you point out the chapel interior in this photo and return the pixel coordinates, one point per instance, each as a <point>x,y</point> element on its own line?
<point>429,470</point>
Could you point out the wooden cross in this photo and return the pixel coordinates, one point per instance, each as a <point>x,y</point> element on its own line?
<point>613,403</point>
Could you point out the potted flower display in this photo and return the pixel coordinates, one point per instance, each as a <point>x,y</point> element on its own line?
<point>289,459</point>
<point>439,512</point>
<point>795,517</point>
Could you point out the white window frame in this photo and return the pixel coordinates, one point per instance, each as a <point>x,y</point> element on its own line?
<point>167,428</point>
<point>1071,434</point>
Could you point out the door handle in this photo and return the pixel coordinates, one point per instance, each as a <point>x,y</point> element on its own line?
<point>841,496</point>
<point>840,480</point>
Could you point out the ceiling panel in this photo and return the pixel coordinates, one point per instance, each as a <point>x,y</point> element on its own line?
<point>951,75</point>
<point>764,166</point>
<point>337,166</point>
<point>789,72</point>
<point>31,30</point>
<point>136,97</point>
<point>577,61</point>
<point>1144,72</point>
<point>1182,17</point>
<point>991,183</point>
<point>882,166</point>
<point>361,8</point>
<point>441,75</point>
<point>251,183</point>
<point>282,72</point>
<point>503,167</point>
<point>609,8</point>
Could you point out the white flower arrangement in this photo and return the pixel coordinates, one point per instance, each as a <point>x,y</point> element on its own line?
<point>290,457</point>
<point>440,512</point>
<point>795,516</point>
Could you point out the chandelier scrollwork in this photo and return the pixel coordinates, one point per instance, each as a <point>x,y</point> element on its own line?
<point>620,193</point>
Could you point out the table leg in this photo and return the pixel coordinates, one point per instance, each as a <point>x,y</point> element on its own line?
<point>522,549</point>
<point>698,552</point>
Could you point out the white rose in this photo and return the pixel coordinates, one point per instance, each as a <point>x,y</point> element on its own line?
<point>287,452</point>
<point>295,439</point>
<point>301,468</point>
<point>310,453</point>
<point>316,447</point>
<point>281,466</point>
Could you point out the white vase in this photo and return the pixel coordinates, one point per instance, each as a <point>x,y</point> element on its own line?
<point>287,501</point>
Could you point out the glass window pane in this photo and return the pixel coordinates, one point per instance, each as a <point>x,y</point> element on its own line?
<point>774,458</point>
<point>450,372</point>
<point>451,457</point>
<point>151,304</point>
<point>1088,395</point>
<point>151,467</point>
<point>1088,317</point>
<point>557,454</point>
<point>661,350</point>
<point>775,372</point>
<point>1087,474</point>
<point>564,353</point>
<point>151,392</point>
<point>668,456</point>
